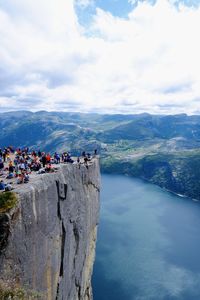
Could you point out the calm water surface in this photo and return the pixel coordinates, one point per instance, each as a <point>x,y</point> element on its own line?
<point>148,243</point>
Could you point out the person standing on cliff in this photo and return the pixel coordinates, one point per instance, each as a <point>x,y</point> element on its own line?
<point>1,164</point>
<point>48,158</point>
<point>39,153</point>
<point>4,156</point>
<point>86,161</point>
<point>44,160</point>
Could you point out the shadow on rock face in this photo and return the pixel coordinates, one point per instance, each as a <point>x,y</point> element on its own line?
<point>4,231</point>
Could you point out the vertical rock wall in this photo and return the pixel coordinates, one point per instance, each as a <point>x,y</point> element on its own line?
<point>51,244</point>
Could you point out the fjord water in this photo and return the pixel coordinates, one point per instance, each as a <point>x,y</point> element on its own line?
<point>148,243</point>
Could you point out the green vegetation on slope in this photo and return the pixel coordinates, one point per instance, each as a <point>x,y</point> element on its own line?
<point>11,291</point>
<point>8,200</point>
<point>178,172</point>
<point>161,149</point>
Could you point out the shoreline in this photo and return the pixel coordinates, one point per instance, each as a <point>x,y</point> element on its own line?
<point>144,179</point>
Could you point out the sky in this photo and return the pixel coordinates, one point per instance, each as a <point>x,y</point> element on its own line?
<point>104,56</point>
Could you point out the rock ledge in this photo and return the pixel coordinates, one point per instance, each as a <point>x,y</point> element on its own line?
<point>51,234</point>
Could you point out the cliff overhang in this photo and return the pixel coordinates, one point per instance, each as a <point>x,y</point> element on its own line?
<point>48,240</point>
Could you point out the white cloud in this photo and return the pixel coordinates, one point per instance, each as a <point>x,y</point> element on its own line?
<point>83,3</point>
<point>147,62</point>
<point>133,2</point>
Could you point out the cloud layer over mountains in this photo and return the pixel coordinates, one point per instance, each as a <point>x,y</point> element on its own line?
<point>146,61</point>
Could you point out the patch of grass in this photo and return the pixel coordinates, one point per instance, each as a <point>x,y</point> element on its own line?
<point>7,201</point>
<point>12,292</point>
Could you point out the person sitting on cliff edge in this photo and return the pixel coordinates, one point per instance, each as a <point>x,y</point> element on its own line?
<point>49,168</point>
<point>2,185</point>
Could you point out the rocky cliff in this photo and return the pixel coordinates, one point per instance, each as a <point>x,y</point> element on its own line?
<point>49,238</point>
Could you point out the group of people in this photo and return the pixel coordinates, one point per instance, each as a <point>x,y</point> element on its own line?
<point>20,163</point>
<point>5,186</point>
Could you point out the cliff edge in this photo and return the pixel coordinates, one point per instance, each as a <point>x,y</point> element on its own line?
<point>49,238</point>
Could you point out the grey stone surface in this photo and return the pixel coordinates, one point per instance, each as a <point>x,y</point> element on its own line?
<point>52,234</point>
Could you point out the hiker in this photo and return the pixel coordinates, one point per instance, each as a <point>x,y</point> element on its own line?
<point>88,156</point>
<point>2,185</point>
<point>49,168</point>
<point>11,149</point>
<point>19,152</point>
<point>69,159</point>
<point>10,175</point>
<point>41,171</point>
<point>22,166</point>
<point>44,160</point>
<point>4,156</point>
<point>39,153</point>
<point>35,166</point>
<point>78,162</point>
<point>34,153</point>
<point>65,156</point>
<point>11,167</point>
<point>8,187</point>
<point>86,161</point>
<point>26,177</point>
<point>48,158</point>
<point>26,150</point>
<point>95,152</point>
<point>57,158</point>
<point>1,164</point>
<point>20,178</point>
<point>16,169</point>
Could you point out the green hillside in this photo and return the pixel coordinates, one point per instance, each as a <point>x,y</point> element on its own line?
<point>162,149</point>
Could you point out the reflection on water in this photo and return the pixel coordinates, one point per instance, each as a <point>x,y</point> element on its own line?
<point>148,243</point>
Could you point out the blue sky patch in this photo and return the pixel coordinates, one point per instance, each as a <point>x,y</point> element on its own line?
<point>120,8</point>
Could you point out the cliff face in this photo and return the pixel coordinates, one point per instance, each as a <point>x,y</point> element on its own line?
<point>50,243</point>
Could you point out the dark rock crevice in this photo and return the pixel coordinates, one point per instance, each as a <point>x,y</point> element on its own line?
<point>62,250</point>
<point>61,273</point>
<point>62,195</point>
<point>4,231</point>
<point>61,190</point>
<point>76,239</point>
<point>78,288</point>
<point>91,183</point>
<point>87,293</point>
<point>76,236</point>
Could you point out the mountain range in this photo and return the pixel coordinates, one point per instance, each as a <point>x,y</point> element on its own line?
<point>163,149</point>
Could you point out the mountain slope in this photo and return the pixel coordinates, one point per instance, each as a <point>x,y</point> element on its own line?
<point>161,149</point>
